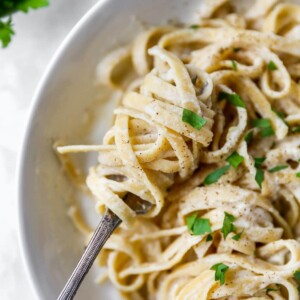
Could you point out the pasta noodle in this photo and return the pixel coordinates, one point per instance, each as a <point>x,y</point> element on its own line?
<point>208,133</point>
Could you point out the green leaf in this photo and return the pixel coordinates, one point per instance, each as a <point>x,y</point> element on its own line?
<point>233,99</point>
<point>193,119</point>
<point>272,66</point>
<point>25,5</point>
<point>228,224</point>
<point>209,238</point>
<point>234,65</point>
<point>258,161</point>
<point>295,129</point>
<point>238,236</point>
<point>195,26</point>
<point>6,32</point>
<point>201,226</point>
<point>265,127</point>
<point>216,175</point>
<point>298,175</point>
<point>235,159</point>
<point>190,220</point>
<point>278,168</point>
<point>297,275</point>
<point>249,136</point>
<point>259,177</point>
<point>280,114</point>
<point>221,270</point>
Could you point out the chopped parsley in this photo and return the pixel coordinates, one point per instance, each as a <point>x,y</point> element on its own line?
<point>265,127</point>
<point>216,175</point>
<point>234,65</point>
<point>272,66</point>
<point>7,8</point>
<point>198,226</point>
<point>298,175</point>
<point>295,129</point>
<point>209,238</point>
<point>221,270</point>
<point>238,236</point>
<point>259,177</point>
<point>280,114</point>
<point>193,119</point>
<point>258,161</point>
<point>248,137</point>
<point>235,159</point>
<point>278,168</point>
<point>228,225</point>
<point>195,26</point>
<point>233,99</point>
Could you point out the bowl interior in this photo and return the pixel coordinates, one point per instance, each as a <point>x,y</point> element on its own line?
<point>69,107</point>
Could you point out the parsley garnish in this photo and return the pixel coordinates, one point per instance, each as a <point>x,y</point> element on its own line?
<point>238,236</point>
<point>7,8</point>
<point>6,32</point>
<point>258,161</point>
<point>298,174</point>
<point>195,26</point>
<point>278,168</point>
<point>193,119</point>
<point>297,275</point>
<point>233,99</point>
<point>228,224</point>
<point>295,129</point>
<point>264,125</point>
<point>272,66</point>
<point>259,177</point>
<point>198,226</point>
<point>234,65</point>
<point>280,114</point>
<point>248,137</point>
<point>235,159</point>
<point>221,270</point>
<point>209,238</point>
<point>216,175</point>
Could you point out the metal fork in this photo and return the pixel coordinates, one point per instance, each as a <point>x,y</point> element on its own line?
<point>106,227</point>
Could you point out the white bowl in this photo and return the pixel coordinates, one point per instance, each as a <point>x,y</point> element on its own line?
<point>51,245</point>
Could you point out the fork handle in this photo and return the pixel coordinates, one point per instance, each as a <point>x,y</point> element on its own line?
<point>107,225</point>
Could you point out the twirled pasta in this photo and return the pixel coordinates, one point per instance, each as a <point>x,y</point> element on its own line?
<point>239,74</point>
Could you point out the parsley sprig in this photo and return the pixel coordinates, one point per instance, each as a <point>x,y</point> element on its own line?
<point>9,7</point>
<point>198,226</point>
<point>228,225</point>
<point>193,119</point>
<point>221,270</point>
<point>233,99</point>
<point>265,127</point>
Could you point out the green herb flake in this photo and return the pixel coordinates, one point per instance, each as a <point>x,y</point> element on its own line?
<point>278,168</point>
<point>228,224</point>
<point>280,114</point>
<point>221,270</point>
<point>194,26</point>
<point>265,127</point>
<point>216,175</point>
<point>259,177</point>
<point>234,65</point>
<point>297,275</point>
<point>209,238</point>
<point>193,119</point>
<point>258,161</point>
<point>272,66</point>
<point>190,220</point>
<point>201,226</point>
<point>298,175</point>
<point>238,236</point>
<point>235,159</point>
<point>295,129</point>
<point>197,226</point>
<point>248,137</point>
<point>233,99</point>
<point>6,32</point>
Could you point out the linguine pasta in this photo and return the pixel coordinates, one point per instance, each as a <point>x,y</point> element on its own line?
<point>207,132</point>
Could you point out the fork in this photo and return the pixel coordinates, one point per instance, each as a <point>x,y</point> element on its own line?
<point>106,227</point>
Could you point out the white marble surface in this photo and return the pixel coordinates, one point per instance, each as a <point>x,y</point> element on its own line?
<point>21,65</point>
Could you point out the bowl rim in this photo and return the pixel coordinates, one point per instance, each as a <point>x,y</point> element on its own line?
<point>33,107</point>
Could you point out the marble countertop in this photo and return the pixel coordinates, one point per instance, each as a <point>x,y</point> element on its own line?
<point>38,35</point>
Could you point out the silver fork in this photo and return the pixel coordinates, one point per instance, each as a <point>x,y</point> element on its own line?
<point>107,225</point>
